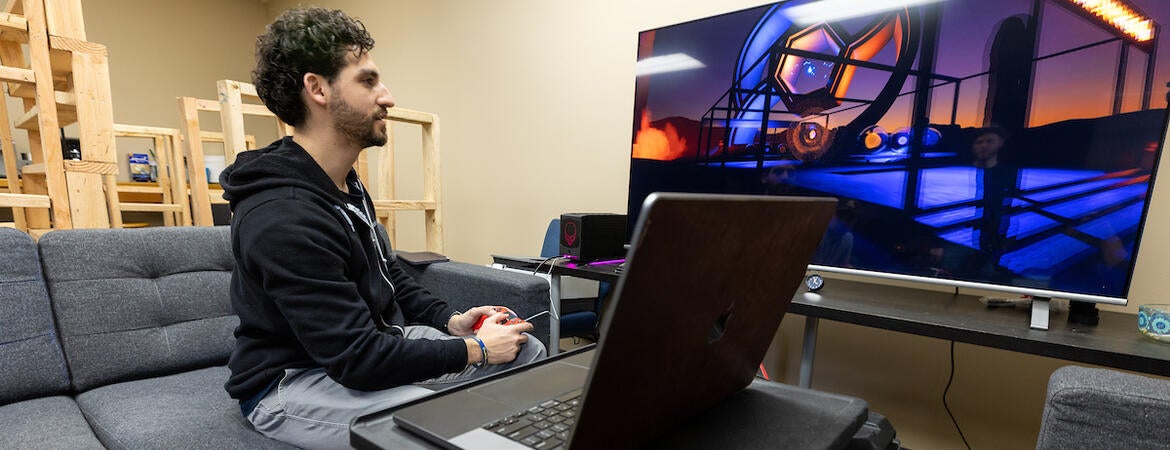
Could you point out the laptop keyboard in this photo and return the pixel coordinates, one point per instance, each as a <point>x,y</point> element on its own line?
<point>544,426</point>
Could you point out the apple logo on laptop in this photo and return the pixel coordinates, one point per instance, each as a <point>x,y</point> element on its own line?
<point>720,325</point>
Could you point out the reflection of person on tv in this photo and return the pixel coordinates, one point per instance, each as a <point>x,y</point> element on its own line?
<point>774,181</point>
<point>837,245</point>
<point>996,185</point>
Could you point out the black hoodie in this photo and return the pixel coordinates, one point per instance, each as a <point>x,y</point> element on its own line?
<point>317,285</point>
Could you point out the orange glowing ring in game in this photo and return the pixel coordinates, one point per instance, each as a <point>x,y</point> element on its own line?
<point>808,141</point>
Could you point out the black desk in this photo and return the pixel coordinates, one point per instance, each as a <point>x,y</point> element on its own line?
<point>1114,342</point>
<point>762,415</point>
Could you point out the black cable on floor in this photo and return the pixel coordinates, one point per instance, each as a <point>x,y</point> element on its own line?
<point>944,398</point>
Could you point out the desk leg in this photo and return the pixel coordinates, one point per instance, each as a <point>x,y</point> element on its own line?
<point>554,319</point>
<point>808,351</point>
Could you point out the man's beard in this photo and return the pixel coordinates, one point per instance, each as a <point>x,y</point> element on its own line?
<point>355,126</point>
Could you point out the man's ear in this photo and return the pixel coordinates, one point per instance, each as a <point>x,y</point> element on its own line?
<point>316,87</point>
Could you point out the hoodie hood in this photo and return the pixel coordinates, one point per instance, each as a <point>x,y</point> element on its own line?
<point>283,163</point>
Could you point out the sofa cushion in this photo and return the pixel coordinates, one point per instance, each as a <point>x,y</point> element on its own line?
<point>33,364</point>
<point>464,286</point>
<point>139,303</point>
<point>189,410</point>
<point>48,422</point>
<point>1103,408</point>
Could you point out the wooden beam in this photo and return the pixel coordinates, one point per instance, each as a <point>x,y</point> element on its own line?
<point>431,184</point>
<point>31,120</point>
<point>33,169</point>
<point>95,112</point>
<point>206,105</point>
<point>147,189</point>
<point>217,197</point>
<point>113,208</point>
<point>248,109</point>
<point>403,205</point>
<point>249,90</point>
<point>9,149</point>
<point>151,207</point>
<point>385,185</point>
<point>24,201</point>
<point>17,74</point>
<point>48,134</point>
<point>164,179</point>
<point>231,118</point>
<point>87,166</point>
<point>76,46</point>
<point>409,116</point>
<point>65,19</point>
<point>12,23</point>
<point>25,90</point>
<point>193,150</point>
<point>142,131</point>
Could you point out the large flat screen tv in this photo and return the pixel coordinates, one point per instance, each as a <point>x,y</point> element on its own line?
<point>1002,144</point>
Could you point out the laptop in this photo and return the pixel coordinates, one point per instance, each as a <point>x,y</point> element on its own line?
<point>706,282</point>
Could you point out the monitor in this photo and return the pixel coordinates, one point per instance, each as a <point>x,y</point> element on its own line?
<point>1000,144</point>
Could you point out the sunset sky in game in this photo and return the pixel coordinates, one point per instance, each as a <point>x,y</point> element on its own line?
<point>1072,86</point>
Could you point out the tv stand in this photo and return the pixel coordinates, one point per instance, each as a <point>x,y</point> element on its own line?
<point>1040,313</point>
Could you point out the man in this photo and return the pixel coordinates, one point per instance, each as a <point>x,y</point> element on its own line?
<point>997,185</point>
<point>323,304</point>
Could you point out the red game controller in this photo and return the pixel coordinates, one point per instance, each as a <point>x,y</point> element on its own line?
<point>511,320</point>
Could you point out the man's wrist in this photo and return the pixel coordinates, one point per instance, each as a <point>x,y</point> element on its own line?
<point>477,354</point>
<point>452,319</point>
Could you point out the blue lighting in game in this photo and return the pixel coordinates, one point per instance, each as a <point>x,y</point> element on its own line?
<point>1080,207</point>
<point>1027,224</point>
<point>1069,191</point>
<point>963,236</point>
<point>949,217</point>
<point>878,187</point>
<point>1121,221</point>
<point>1043,256</point>
<point>1040,178</point>
<point>943,186</point>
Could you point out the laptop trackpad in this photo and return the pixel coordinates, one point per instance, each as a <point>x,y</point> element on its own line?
<point>451,415</point>
<point>535,385</point>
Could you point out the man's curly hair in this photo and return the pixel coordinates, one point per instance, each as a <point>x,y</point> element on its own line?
<point>300,41</point>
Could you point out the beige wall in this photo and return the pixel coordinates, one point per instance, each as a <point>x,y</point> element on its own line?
<point>160,50</point>
<point>536,100</point>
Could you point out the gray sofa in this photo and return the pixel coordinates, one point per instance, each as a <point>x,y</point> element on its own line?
<point>118,338</point>
<point>1102,408</point>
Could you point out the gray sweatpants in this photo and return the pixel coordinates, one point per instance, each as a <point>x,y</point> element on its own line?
<point>310,410</point>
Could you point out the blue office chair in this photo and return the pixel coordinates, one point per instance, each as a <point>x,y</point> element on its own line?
<point>575,322</point>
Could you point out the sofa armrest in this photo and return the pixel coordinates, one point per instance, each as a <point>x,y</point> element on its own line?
<point>466,286</point>
<point>1102,408</point>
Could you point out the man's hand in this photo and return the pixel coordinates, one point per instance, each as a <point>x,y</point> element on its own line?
<point>462,324</point>
<point>502,341</point>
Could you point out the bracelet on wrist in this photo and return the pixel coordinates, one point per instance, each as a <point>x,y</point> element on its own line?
<point>482,351</point>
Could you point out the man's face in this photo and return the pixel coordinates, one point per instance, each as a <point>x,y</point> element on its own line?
<point>986,146</point>
<point>359,102</point>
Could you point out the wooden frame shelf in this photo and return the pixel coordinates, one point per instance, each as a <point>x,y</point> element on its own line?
<point>60,79</point>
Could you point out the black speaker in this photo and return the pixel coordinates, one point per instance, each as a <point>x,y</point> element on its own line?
<point>591,237</point>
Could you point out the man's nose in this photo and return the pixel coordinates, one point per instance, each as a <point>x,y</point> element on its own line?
<point>386,100</point>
